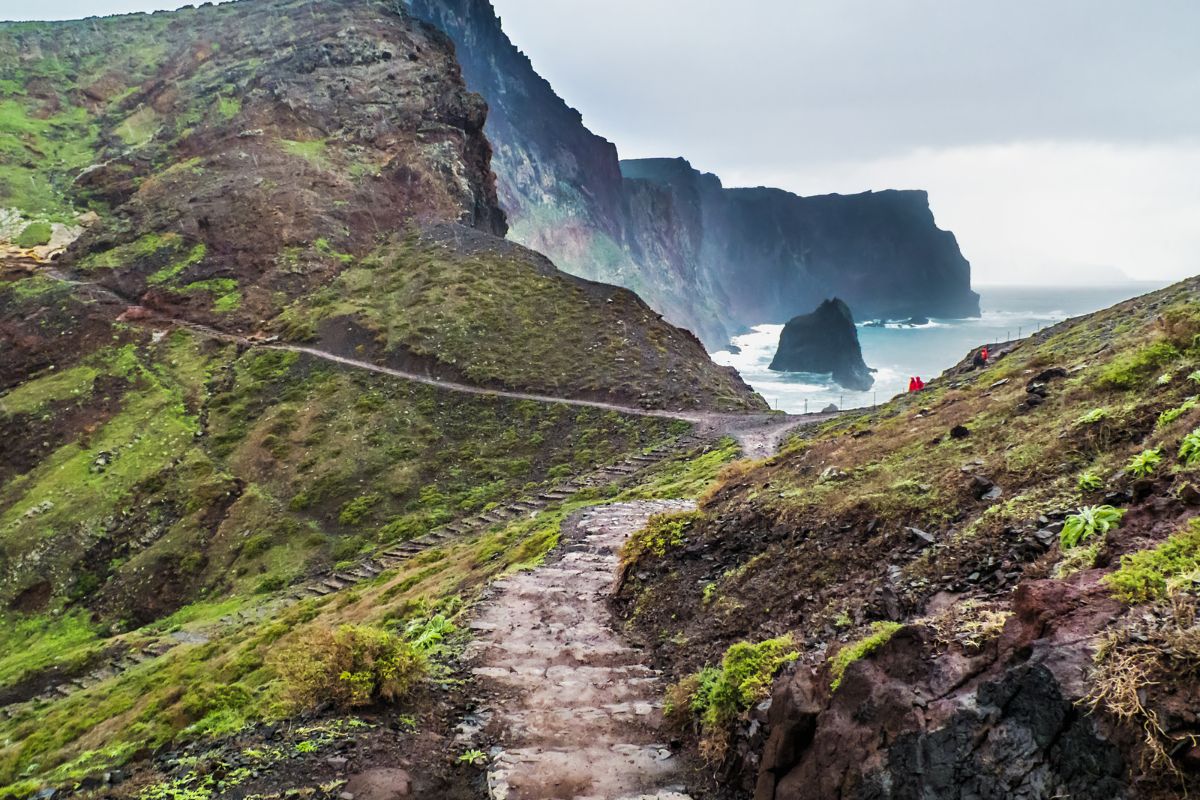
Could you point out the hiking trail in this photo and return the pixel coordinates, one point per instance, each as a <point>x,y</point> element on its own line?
<point>576,711</point>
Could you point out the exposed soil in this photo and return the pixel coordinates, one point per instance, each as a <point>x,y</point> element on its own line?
<point>574,708</point>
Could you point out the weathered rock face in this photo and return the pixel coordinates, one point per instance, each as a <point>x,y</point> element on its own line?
<point>923,721</point>
<point>710,259</point>
<point>824,341</point>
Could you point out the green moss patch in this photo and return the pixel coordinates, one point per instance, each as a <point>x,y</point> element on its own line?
<point>881,632</point>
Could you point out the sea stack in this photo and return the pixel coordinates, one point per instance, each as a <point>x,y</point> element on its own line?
<point>825,342</point>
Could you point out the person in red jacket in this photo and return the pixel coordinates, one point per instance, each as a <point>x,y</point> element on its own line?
<point>920,383</point>
<point>984,353</point>
<point>912,384</point>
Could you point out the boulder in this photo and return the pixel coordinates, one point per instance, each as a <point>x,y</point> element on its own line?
<point>824,342</point>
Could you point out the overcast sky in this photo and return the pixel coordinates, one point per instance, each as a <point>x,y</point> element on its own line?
<point>1059,140</point>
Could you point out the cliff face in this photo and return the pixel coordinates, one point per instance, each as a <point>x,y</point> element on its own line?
<point>710,259</point>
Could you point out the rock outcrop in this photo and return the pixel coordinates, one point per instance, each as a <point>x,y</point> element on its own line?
<point>825,342</point>
<point>710,259</point>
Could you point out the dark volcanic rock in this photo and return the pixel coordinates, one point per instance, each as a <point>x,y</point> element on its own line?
<point>824,341</point>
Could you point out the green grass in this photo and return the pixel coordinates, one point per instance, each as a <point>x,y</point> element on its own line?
<point>1151,574</point>
<point>1137,369</point>
<point>73,383</point>
<point>32,643</point>
<point>35,234</point>
<point>314,151</point>
<point>487,315</point>
<point>881,633</point>
<point>662,533</point>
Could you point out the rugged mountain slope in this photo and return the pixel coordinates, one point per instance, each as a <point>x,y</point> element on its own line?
<point>958,629</point>
<point>241,158</point>
<point>711,260</point>
<point>188,517</point>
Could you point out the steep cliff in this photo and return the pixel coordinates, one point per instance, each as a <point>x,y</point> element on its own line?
<point>709,259</point>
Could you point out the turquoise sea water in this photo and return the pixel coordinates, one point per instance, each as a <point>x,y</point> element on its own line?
<point>899,352</point>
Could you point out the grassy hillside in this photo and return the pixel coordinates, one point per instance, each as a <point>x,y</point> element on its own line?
<point>168,489</point>
<point>956,514</point>
<point>261,166</point>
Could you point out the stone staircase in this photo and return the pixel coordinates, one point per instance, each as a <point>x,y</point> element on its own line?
<point>622,472</point>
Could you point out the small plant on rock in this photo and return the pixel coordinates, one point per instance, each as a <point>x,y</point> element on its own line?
<point>1090,521</point>
<point>473,757</point>
<point>1144,463</point>
<point>1189,449</point>
<point>881,632</point>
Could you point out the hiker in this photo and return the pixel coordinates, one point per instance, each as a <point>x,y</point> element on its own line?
<point>920,384</point>
<point>912,384</point>
<point>981,357</point>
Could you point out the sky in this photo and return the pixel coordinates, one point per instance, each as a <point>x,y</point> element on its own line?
<point>1060,140</point>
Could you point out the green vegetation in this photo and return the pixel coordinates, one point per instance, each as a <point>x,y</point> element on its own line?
<point>881,633</point>
<point>1090,521</point>
<point>717,695</point>
<point>35,234</point>
<point>486,315</point>
<point>1189,448</point>
<point>1090,482</point>
<point>1170,415</point>
<point>1135,369</point>
<point>1092,417</point>
<point>313,151</point>
<point>350,666</point>
<point>662,532</point>
<point>1152,574</point>
<point>473,758</point>
<point>1144,463</point>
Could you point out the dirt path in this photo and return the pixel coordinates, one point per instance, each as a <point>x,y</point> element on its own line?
<point>758,434</point>
<point>576,711</point>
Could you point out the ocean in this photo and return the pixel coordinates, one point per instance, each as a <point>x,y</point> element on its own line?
<point>899,352</point>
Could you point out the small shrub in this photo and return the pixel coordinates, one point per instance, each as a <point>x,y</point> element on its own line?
<point>351,666</point>
<point>881,632</point>
<point>256,545</point>
<point>1090,521</point>
<point>1172,414</point>
<point>1194,377</point>
<point>1150,574</point>
<point>1189,449</point>
<point>1144,463</point>
<point>35,234</point>
<point>1090,482</point>
<point>473,758</point>
<point>1092,417</point>
<point>717,695</point>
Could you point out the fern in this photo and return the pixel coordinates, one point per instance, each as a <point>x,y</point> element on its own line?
<point>1172,414</point>
<point>1189,450</point>
<point>1090,521</point>
<point>1144,463</point>
<point>1090,482</point>
<point>1093,416</point>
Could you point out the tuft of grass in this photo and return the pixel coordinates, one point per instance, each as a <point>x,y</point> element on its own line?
<point>35,234</point>
<point>1152,574</point>
<point>1088,522</point>
<point>1144,464</point>
<point>881,633</point>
